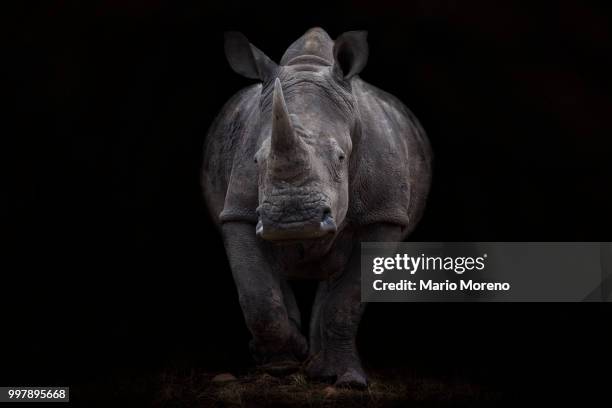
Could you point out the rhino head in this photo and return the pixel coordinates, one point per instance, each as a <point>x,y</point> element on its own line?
<point>307,119</point>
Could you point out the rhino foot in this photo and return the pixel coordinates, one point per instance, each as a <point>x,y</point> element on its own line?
<point>283,360</point>
<point>352,378</point>
<point>344,370</point>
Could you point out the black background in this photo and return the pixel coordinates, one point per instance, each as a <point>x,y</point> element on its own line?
<point>114,268</point>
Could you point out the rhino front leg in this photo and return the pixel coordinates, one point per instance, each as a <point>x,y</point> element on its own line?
<point>293,310</point>
<point>338,314</point>
<point>277,344</point>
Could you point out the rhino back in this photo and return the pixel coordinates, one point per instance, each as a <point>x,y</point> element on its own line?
<point>225,146</point>
<point>391,169</point>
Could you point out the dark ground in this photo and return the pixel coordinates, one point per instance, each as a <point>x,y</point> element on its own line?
<point>197,388</point>
<point>113,274</point>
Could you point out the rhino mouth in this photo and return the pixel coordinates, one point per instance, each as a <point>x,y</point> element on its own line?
<point>294,228</point>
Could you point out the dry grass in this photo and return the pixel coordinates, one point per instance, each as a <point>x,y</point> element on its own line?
<point>256,389</point>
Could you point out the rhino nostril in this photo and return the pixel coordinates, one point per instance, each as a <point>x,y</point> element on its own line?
<point>328,224</point>
<point>326,212</point>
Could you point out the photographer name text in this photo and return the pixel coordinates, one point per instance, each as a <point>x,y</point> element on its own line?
<point>415,264</point>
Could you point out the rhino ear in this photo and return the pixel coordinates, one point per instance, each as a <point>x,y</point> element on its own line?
<point>246,59</point>
<point>350,53</point>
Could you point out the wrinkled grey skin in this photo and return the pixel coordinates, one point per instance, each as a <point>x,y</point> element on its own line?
<point>299,169</point>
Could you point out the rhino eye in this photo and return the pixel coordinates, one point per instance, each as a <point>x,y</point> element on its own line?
<point>341,157</point>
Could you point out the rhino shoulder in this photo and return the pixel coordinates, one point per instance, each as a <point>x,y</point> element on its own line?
<point>223,143</point>
<point>228,126</point>
<point>392,170</point>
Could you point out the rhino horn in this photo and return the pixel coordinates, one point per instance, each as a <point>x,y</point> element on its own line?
<point>284,137</point>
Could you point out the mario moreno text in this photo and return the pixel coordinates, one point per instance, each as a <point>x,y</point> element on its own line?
<point>414,264</point>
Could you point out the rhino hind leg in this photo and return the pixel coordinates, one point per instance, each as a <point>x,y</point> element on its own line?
<point>293,311</point>
<point>277,344</point>
<point>315,326</point>
<point>336,315</point>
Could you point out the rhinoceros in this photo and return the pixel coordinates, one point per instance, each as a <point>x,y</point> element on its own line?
<point>299,169</point>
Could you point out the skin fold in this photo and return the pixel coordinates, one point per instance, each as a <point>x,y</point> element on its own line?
<point>298,170</point>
